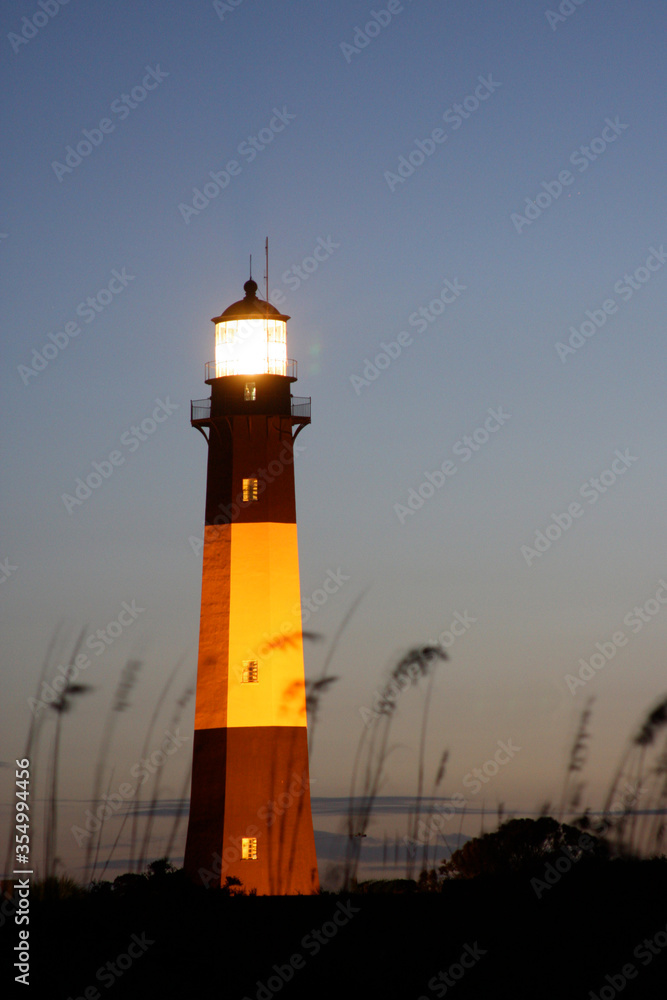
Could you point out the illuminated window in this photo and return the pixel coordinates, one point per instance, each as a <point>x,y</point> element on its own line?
<point>250,491</point>
<point>249,848</point>
<point>250,672</point>
<point>250,392</point>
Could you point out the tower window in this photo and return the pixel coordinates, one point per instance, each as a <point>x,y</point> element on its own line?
<point>249,848</point>
<point>250,391</point>
<point>250,672</point>
<point>250,490</point>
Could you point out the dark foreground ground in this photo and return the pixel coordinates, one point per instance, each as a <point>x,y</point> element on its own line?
<point>597,932</point>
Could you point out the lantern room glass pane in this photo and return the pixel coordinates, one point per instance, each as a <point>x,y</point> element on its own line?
<point>251,347</point>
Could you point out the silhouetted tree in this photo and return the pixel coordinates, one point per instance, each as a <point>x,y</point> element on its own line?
<point>519,844</point>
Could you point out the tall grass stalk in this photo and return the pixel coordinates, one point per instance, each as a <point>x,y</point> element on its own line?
<point>413,834</point>
<point>144,750</point>
<point>120,702</point>
<point>37,717</point>
<point>181,704</point>
<point>61,706</point>
<point>632,770</point>
<point>413,831</point>
<point>179,812</point>
<point>576,761</point>
<point>654,821</point>
<point>373,751</point>
<point>315,689</point>
<point>90,878</point>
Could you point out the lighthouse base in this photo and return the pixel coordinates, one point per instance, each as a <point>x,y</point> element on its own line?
<point>250,813</point>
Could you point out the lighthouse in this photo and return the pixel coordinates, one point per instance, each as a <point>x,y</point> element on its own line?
<point>250,811</point>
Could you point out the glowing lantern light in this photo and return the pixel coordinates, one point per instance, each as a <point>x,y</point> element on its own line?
<point>250,338</point>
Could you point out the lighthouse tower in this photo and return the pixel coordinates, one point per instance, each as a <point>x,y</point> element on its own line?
<point>250,814</point>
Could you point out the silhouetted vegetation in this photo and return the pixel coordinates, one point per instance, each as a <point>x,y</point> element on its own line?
<point>374,749</point>
<point>528,882</point>
<point>519,845</point>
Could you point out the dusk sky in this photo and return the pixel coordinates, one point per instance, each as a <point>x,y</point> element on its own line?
<point>465,206</point>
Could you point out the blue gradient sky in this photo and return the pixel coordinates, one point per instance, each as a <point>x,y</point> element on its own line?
<point>323,177</point>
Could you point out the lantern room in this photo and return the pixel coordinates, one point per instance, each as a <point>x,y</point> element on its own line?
<point>250,339</point>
